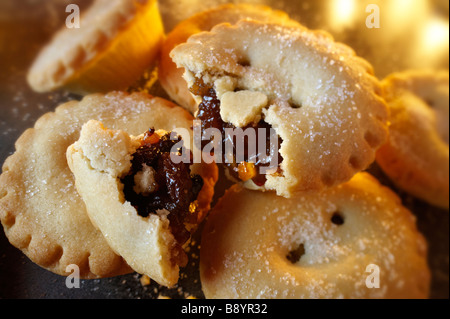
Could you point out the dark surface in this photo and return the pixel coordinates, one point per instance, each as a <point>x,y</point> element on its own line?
<point>409,37</point>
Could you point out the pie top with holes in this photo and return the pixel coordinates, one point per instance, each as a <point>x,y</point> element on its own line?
<point>316,245</point>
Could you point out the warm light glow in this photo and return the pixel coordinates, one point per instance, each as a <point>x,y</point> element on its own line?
<point>436,35</point>
<point>404,16</point>
<point>405,8</point>
<point>432,46</point>
<point>342,13</point>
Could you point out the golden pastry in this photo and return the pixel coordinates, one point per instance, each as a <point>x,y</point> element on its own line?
<point>118,40</point>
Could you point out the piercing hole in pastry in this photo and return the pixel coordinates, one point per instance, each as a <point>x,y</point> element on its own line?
<point>209,113</point>
<point>156,184</point>
<point>296,254</point>
<point>337,219</point>
<point>244,62</point>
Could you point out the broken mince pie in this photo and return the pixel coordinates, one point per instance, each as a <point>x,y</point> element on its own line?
<point>322,101</point>
<point>145,203</point>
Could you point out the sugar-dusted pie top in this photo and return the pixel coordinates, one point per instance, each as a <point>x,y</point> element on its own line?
<point>338,235</point>
<point>323,100</point>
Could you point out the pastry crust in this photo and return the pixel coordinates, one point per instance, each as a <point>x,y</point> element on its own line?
<point>99,160</point>
<point>110,51</point>
<point>171,77</point>
<point>416,157</point>
<point>40,209</point>
<point>316,245</point>
<point>324,102</point>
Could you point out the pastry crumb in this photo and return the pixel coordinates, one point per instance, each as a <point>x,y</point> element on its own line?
<point>145,280</point>
<point>243,107</point>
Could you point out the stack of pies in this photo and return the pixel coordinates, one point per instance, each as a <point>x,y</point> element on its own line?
<point>119,182</point>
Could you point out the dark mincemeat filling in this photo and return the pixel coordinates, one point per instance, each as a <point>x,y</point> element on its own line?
<point>177,189</point>
<point>209,115</point>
